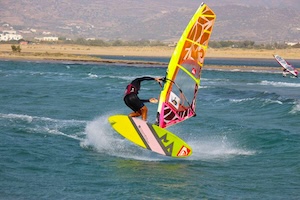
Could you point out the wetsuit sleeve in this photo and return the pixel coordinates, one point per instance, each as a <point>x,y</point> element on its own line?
<point>137,82</point>
<point>145,78</point>
<point>145,100</point>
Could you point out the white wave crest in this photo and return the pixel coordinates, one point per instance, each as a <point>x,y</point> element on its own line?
<point>29,119</point>
<point>92,75</point>
<point>215,149</point>
<point>45,125</point>
<point>265,101</point>
<point>280,84</point>
<point>53,131</point>
<point>295,108</point>
<point>241,100</point>
<point>26,118</point>
<point>101,136</point>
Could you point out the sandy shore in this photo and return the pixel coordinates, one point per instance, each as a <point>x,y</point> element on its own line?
<point>85,53</point>
<point>149,51</point>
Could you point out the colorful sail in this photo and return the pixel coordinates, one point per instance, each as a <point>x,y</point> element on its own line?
<point>177,100</point>
<point>286,65</point>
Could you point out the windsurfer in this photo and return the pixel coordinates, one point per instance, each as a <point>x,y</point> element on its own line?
<point>285,72</point>
<point>132,100</point>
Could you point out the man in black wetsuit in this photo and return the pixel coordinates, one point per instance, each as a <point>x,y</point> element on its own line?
<point>134,102</point>
<point>285,72</point>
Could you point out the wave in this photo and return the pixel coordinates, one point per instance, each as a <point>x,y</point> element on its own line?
<point>242,100</point>
<point>29,118</point>
<point>91,75</point>
<point>26,118</point>
<point>279,84</point>
<point>45,125</point>
<point>265,101</point>
<point>216,148</point>
<point>241,70</point>
<point>101,137</point>
<point>96,134</point>
<point>295,108</point>
<point>54,131</point>
<point>126,78</point>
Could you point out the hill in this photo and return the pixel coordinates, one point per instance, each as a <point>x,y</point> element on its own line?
<point>262,21</point>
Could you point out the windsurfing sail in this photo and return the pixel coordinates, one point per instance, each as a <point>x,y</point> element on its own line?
<point>177,100</point>
<point>290,68</point>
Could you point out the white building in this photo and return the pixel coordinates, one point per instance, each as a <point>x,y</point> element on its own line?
<point>46,33</point>
<point>46,38</point>
<point>291,43</point>
<point>10,35</point>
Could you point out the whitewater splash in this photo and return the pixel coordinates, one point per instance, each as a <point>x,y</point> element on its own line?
<point>216,148</point>
<point>101,137</point>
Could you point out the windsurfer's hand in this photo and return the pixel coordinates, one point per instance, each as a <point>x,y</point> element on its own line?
<point>159,79</point>
<point>153,100</point>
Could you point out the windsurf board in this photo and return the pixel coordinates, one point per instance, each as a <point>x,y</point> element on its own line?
<point>150,136</point>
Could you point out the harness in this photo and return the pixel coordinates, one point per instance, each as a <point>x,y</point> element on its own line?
<point>130,89</point>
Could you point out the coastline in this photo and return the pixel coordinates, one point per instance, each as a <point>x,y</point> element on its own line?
<point>79,53</point>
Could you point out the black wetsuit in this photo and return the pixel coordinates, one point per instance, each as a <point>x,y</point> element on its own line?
<point>131,99</point>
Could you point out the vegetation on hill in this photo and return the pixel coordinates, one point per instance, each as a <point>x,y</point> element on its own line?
<point>97,42</point>
<point>250,45</point>
<point>247,44</point>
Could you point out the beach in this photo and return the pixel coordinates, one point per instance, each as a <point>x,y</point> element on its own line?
<point>161,51</point>
<point>68,52</point>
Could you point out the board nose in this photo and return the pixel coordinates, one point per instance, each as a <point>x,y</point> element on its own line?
<point>112,120</point>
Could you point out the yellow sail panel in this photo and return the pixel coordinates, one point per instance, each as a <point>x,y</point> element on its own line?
<point>178,98</point>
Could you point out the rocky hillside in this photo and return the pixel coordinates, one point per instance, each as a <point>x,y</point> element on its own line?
<point>266,21</point>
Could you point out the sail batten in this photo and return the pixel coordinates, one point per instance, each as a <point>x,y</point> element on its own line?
<point>186,71</point>
<point>178,97</point>
<point>197,43</point>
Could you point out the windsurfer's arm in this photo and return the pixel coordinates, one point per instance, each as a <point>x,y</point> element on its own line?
<point>148,78</point>
<point>145,78</point>
<point>152,100</point>
<point>145,100</point>
<point>136,82</point>
<point>160,80</point>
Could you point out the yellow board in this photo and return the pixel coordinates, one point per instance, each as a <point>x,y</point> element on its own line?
<point>150,136</point>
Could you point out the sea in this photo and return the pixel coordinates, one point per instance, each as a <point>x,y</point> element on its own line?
<point>56,142</point>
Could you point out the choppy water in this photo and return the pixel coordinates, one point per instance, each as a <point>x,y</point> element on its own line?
<point>56,142</point>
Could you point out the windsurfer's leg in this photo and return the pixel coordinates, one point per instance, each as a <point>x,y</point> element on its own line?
<point>135,114</point>
<point>144,112</point>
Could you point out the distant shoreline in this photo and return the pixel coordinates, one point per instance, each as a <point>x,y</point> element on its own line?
<point>153,51</point>
<point>77,53</point>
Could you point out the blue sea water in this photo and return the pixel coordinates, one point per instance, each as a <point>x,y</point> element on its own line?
<point>56,142</point>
